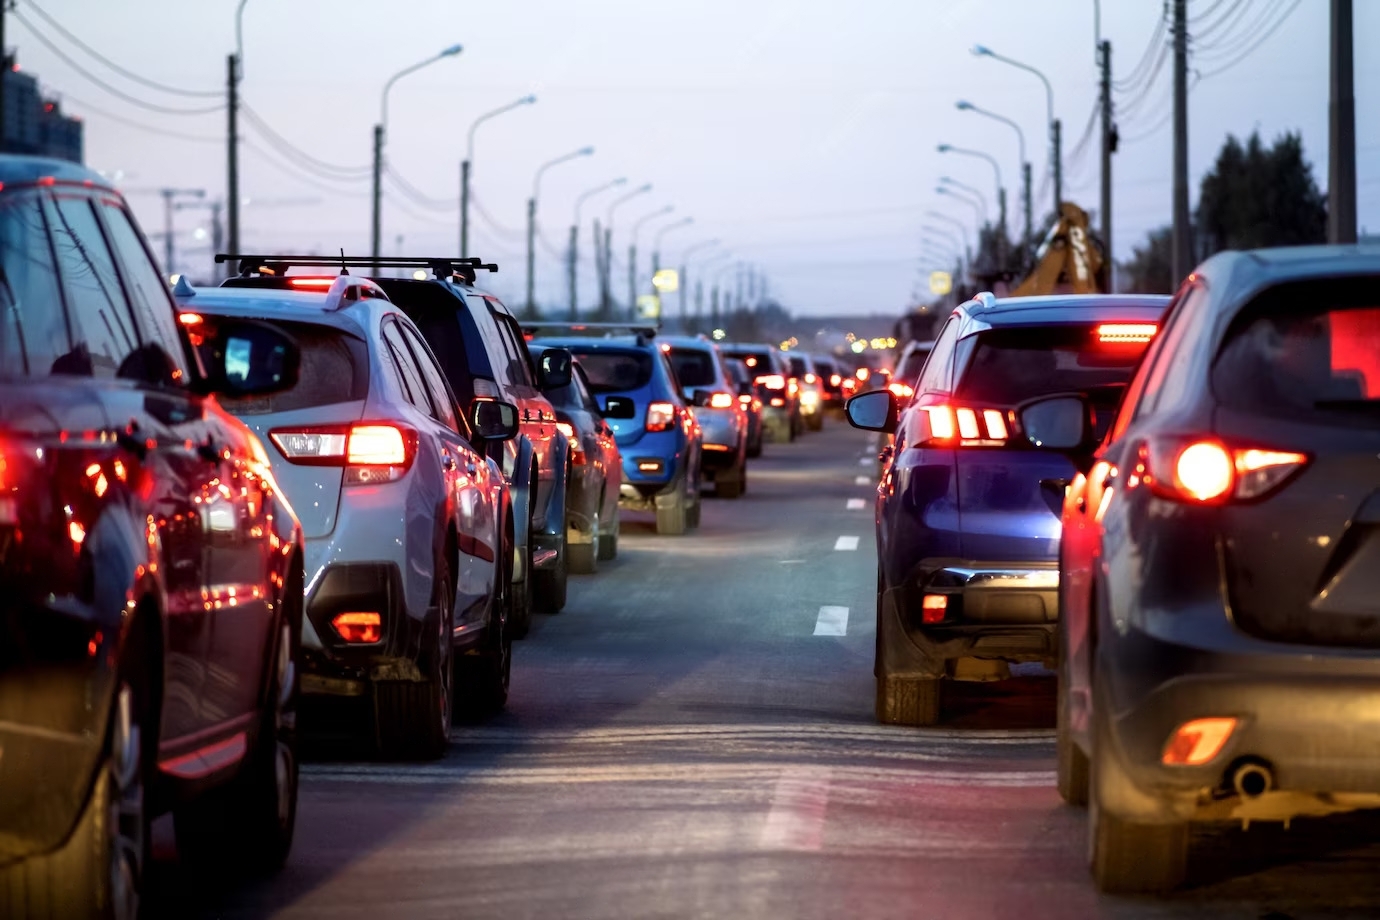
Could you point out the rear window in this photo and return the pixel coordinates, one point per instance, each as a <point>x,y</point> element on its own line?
<point>612,371</point>
<point>1304,349</point>
<point>799,367</point>
<point>335,369</point>
<point>693,367</point>
<point>913,364</point>
<point>1010,366</point>
<point>758,363</point>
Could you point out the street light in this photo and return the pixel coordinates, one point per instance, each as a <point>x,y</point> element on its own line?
<point>232,114</point>
<point>531,311</point>
<point>1025,163</point>
<point>465,168</point>
<point>978,214</point>
<point>632,251</point>
<point>1001,190</point>
<point>605,292</point>
<point>378,143</point>
<point>575,239</point>
<point>964,187</point>
<point>656,247</point>
<point>1054,127</point>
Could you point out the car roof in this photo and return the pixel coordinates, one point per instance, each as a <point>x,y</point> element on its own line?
<point>619,342</point>
<point>24,170</point>
<point>275,304</point>
<point>1057,309</point>
<point>686,341</point>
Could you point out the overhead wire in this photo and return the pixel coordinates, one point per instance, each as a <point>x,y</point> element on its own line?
<point>1229,43</point>
<point>1247,52</point>
<point>291,151</point>
<point>494,225</point>
<point>89,109</point>
<point>296,172</point>
<point>1156,43</point>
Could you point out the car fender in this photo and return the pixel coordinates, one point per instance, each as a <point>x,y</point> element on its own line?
<point>520,491</point>
<point>552,526</point>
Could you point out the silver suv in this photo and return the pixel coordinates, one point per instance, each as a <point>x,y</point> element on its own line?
<point>709,387</point>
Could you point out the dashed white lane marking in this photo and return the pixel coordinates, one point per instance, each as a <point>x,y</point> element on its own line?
<point>792,561</point>
<point>863,481</point>
<point>856,504</point>
<point>833,621</point>
<point>799,803</point>
<point>866,461</point>
<point>846,543</point>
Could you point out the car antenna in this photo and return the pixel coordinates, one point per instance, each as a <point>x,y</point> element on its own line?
<point>343,269</point>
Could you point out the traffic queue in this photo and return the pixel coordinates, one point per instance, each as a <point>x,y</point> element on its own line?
<point>1175,504</point>
<point>224,509</point>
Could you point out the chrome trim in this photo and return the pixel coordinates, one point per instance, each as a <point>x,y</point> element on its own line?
<point>999,579</point>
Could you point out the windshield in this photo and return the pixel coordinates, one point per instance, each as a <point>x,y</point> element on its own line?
<point>693,367</point>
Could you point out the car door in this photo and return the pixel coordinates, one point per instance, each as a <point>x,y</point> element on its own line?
<point>538,417</point>
<point>476,518</point>
<point>162,425</point>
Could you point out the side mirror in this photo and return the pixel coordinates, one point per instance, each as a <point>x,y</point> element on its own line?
<point>1057,422</point>
<point>246,358</point>
<point>491,420</point>
<point>620,407</point>
<point>874,410</point>
<point>556,368</point>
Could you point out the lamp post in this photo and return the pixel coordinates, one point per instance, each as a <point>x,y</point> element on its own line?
<point>1054,127</point>
<point>632,253</point>
<point>656,247</point>
<point>531,309</point>
<point>605,290</point>
<point>1001,191</point>
<point>684,285</point>
<point>967,194</point>
<point>378,145</point>
<point>699,288</point>
<point>575,239</point>
<point>1025,163</point>
<point>465,167</point>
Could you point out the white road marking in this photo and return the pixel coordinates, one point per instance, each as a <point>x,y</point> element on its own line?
<point>833,621</point>
<point>792,561</point>
<point>904,737</point>
<point>846,543</point>
<point>856,504</point>
<point>799,802</point>
<point>867,461</point>
<point>863,481</point>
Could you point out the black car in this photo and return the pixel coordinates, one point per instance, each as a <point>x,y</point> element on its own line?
<point>1220,565</point>
<point>150,574</point>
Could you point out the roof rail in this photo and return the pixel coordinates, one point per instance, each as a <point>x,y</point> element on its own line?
<point>346,291</point>
<point>986,299</point>
<point>278,265</point>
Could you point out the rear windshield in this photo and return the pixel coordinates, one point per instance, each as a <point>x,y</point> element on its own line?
<point>758,363</point>
<point>335,369</point>
<point>913,364</point>
<point>615,371</point>
<point>1301,350</point>
<point>1010,366</point>
<point>693,367</point>
<point>799,367</point>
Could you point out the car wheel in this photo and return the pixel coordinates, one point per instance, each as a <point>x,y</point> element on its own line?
<point>672,515</point>
<point>755,448</point>
<point>413,717</point>
<point>815,422</point>
<point>485,675</point>
<point>98,874</point>
<point>584,557</point>
<point>731,483</point>
<point>1072,763</point>
<point>907,700</point>
<point>522,598</point>
<point>250,823</point>
<point>608,541</point>
<point>549,585</point>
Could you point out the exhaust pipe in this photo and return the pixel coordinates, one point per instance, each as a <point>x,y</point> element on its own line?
<point>1251,780</point>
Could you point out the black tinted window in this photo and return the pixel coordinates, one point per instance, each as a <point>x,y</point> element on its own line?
<point>148,293</point>
<point>1010,366</point>
<point>33,333</point>
<point>693,367</point>
<point>615,371</point>
<point>413,388</point>
<point>758,363</point>
<point>431,376</point>
<point>102,329</point>
<point>912,364</point>
<point>335,369</point>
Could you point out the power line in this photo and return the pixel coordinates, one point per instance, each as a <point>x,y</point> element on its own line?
<point>293,152</point>
<point>128,74</point>
<point>90,109</point>
<point>494,224</point>
<point>1232,15</point>
<point>300,176</point>
<point>1247,53</point>
<point>133,100</point>
<point>1128,83</point>
<point>1212,8</point>
<point>417,195</point>
<point>1252,37</point>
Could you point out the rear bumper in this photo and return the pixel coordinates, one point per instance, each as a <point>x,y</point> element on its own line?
<point>333,667</point>
<point>1310,716</point>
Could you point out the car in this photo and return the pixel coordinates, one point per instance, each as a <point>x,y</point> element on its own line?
<point>482,351</point>
<point>150,567</point>
<point>831,374</point>
<point>1219,628</point>
<point>652,420</point>
<point>810,389</point>
<point>408,610</point>
<point>908,366</point>
<point>764,362</point>
<point>749,397</point>
<point>699,368</point>
<point>596,473</point>
<point>967,508</point>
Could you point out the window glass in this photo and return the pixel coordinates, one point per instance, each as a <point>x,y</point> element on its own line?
<point>497,349</point>
<point>149,296</point>
<point>431,376</point>
<point>615,371</point>
<point>102,329</point>
<point>33,330</point>
<point>693,367</point>
<point>935,377</point>
<point>334,369</point>
<point>519,372</point>
<point>1190,321</point>
<point>414,389</point>
<point>581,384</point>
<point>913,363</point>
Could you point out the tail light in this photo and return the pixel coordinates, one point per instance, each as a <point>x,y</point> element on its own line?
<point>661,416</point>
<point>963,426</point>
<point>1197,742</point>
<point>358,627</point>
<point>773,382</point>
<point>1126,333</point>
<point>371,453</point>
<point>321,283</point>
<point>566,429</point>
<point>902,390</point>
<point>721,401</point>
<point>810,378</point>
<point>1205,471</point>
<point>835,380</point>
<point>745,400</point>
<point>793,386</point>
<point>577,453</point>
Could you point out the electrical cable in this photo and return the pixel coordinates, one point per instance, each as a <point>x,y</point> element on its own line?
<point>1251,39</point>
<point>127,74</point>
<point>1232,15</point>
<point>488,218</point>
<point>299,176</point>
<point>1249,51</point>
<point>90,109</point>
<point>292,151</point>
<point>420,198</point>
<point>1128,83</point>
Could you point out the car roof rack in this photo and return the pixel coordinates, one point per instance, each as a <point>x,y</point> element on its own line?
<point>607,329</point>
<point>278,265</point>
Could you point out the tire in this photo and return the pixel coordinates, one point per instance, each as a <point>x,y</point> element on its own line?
<point>692,513</point>
<point>608,541</point>
<point>584,557</point>
<point>755,447</point>
<point>733,484</point>
<point>521,623</point>
<point>815,422</point>
<point>412,718</point>
<point>907,701</point>
<point>99,873</point>
<point>673,517</point>
<point>483,678</point>
<point>249,824</point>
<point>549,585</point>
<point>1072,769</point>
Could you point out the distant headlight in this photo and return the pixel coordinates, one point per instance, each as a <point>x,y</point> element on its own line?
<point>809,398</point>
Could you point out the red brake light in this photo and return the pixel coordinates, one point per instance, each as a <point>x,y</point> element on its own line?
<point>1126,333</point>
<point>190,319</point>
<point>566,429</point>
<point>721,401</point>
<point>359,627</point>
<point>1197,742</point>
<point>1206,471</point>
<point>311,282</point>
<point>964,426</point>
<point>835,380</point>
<point>902,390</point>
<point>773,382</point>
<point>376,445</point>
<point>745,400</point>
<point>371,453</point>
<point>660,416</point>
<point>810,378</point>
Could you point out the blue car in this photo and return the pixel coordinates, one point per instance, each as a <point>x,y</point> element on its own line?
<point>653,421</point>
<point>968,507</point>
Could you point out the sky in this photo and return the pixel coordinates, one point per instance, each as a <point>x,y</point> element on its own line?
<point>800,134</point>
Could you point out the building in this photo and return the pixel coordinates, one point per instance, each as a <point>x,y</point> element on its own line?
<point>35,125</point>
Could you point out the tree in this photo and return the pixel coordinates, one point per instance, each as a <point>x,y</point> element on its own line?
<point>1150,269</point>
<point>1256,197</point>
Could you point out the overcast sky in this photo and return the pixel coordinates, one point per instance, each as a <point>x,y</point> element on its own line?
<point>800,133</point>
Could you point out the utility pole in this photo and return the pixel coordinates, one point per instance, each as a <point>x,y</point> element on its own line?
<point>1108,146</point>
<point>1341,111</point>
<point>1057,136</point>
<point>632,276</point>
<point>169,207</point>
<point>1027,245</point>
<point>531,258</point>
<point>681,290</point>
<point>4,71</point>
<point>464,208</point>
<point>376,225</point>
<point>714,308</point>
<point>232,152</point>
<point>699,305</point>
<point>574,264</point>
<point>608,270</point>
<point>1182,262</point>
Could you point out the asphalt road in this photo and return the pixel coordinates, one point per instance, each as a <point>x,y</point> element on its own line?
<point>693,737</point>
